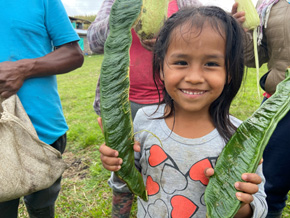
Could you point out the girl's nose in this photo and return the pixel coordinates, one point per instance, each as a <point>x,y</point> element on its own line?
<point>194,75</point>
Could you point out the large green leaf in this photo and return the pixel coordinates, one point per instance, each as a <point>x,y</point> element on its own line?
<point>244,151</point>
<point>114,90</point>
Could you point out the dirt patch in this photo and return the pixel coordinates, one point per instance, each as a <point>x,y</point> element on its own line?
<point>78,168</point>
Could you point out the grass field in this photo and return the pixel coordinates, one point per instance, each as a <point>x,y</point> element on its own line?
<point>85,193</point>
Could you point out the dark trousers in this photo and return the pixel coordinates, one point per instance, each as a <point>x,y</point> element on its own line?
<point>276,168</point>
<point>39,204</point>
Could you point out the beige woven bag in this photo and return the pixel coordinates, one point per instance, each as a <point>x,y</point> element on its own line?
<point>26,163</point>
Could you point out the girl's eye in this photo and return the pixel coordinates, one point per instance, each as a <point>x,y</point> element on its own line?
<point>180,63</point>
<point>211,64</point>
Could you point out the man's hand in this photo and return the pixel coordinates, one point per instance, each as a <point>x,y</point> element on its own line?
<point>12,76</point>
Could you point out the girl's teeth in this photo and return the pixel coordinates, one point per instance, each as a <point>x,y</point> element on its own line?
<point>192,92</point>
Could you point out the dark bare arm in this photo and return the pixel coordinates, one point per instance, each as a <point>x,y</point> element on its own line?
<point>64,59</point>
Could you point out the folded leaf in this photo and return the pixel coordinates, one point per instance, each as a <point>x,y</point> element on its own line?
<point>114,91</point>
<point>244,151</point>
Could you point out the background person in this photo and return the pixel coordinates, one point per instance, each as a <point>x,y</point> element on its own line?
<point>28,68</point>
<point>142,90</point>
<point>274,49</point>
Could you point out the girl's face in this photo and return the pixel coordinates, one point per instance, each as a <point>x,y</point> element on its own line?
<point>194,71</point>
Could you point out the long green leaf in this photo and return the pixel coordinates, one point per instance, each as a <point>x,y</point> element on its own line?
<point>244,151</point>
<point>114,90</point>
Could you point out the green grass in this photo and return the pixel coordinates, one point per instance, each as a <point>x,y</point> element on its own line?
<point>89,195</point>
<point>85,192</point>
<point>77,92</point>
<point>248,99</point>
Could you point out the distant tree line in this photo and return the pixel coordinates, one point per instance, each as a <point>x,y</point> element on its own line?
<point>86,17</point>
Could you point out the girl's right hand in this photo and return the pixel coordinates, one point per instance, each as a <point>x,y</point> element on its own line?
<point>109,156</point>
<point>110,159</point>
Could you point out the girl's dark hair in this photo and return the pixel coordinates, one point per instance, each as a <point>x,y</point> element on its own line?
<point>227,27</point>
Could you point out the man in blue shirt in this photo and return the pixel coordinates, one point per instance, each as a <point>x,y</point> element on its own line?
<point>37,42</point>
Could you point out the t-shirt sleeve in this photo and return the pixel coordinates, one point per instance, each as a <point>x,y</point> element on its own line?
<point>259,204</point>
<point>58,24</point>
<point>117,184</point>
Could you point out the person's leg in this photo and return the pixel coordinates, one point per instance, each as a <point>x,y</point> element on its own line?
<point>9,209</point>
<point>276,167</point>
<point>41,204</point>
<point>273,214</point>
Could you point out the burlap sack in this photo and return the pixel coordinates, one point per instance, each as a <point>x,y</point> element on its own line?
<point>26,163</point>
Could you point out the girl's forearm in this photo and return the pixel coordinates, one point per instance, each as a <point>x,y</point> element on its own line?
<point>122,203</point>
<point>245,211</point>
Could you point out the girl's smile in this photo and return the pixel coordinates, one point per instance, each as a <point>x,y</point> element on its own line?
<point>194,71</point>
<point>192,92</point>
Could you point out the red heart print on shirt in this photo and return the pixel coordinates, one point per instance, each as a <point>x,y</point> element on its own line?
<point>157,156</point>
<point>152,187</point>
<point>196,172</point>
<point>182,207</point>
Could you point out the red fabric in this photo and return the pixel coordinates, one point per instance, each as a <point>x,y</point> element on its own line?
<point>267,95</point>
<point>142,87</point>
<point>172,8</point>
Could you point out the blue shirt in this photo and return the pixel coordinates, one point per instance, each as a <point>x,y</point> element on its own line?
<point>30,29</point>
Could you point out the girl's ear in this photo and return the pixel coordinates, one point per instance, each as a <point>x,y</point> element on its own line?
<point>161,74</point>
<point>229,79</point>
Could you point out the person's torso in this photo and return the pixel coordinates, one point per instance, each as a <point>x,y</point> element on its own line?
<point>173,168</point>
<point>278,44</point>
<point>142,87</point>
<point>31,30</point>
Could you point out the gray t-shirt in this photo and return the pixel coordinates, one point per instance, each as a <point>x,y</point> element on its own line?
<point>173,169</point>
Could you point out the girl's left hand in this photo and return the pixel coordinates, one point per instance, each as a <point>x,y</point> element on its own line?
<point>245,189</point>
<point>248,187</point>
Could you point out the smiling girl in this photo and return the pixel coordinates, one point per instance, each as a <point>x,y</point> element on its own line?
<point>198,56</point>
